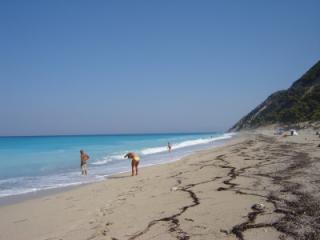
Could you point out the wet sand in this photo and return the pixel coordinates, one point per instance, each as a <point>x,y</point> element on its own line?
<point>207,195</point>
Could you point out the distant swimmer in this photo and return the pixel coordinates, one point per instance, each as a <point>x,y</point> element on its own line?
<point>135,159</point>
<point>169,147</point>
<point>83,162</point>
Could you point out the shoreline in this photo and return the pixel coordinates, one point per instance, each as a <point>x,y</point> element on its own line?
<point>256,186</point>
<point>60,168</point>
<point>19,198</point>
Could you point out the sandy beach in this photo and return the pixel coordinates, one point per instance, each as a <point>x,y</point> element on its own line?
<point>257,186</point>
<point>214,106</point>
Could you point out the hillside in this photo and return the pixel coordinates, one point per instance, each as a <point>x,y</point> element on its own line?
<point>299,103</point>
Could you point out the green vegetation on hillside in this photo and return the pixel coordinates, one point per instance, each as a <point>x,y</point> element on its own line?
<point>300,103</point>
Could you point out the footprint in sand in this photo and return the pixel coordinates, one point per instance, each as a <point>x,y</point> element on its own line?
<point>189,219</point>
<point>109,223</point>
<point>70,206</point>
<point>104,232</point>
<point>201,226</point>
<point>21,220</point>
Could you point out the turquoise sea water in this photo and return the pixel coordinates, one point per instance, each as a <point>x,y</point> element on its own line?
<point>30,164</point>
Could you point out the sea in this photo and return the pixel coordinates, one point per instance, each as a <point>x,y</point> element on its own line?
<point>32,164</point>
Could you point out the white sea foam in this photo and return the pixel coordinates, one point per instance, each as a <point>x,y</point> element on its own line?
<point>154,150</point>
<point>18,191</point>
<point>6,193</point>
<point>108,159</point>
<point>102,162</point>
<point>184,144</point>
<point>23,185</point>
<point>119,156</point>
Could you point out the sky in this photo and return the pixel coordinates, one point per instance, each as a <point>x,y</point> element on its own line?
<point>107,67</point>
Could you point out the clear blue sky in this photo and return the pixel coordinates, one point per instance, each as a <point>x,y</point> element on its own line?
<point>79,67</point>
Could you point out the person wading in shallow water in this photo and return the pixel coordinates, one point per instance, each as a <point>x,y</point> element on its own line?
<point>135,159</point>
<point>169,146</point>
<point>83,162</point>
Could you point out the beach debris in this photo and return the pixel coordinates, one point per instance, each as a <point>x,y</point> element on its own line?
<point>293,132</point>
<point>282,237</point>
<point>258,207</point>
<point>225,231</point>
<point>173,189</point>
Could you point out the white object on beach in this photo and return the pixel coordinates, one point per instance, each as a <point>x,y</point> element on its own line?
<point>258,206</point>
<point>173,189</point>
<point>294,132</point>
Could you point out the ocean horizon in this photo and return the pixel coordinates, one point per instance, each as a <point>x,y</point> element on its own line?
<point>112,134</point>
<point>35,163</point>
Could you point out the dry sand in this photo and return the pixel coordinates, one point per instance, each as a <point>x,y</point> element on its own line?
<point>207,195</point>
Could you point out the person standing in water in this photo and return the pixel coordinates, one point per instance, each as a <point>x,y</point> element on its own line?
<point>169,147</point>
<point>135,159</point>
<point>83,162</point>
